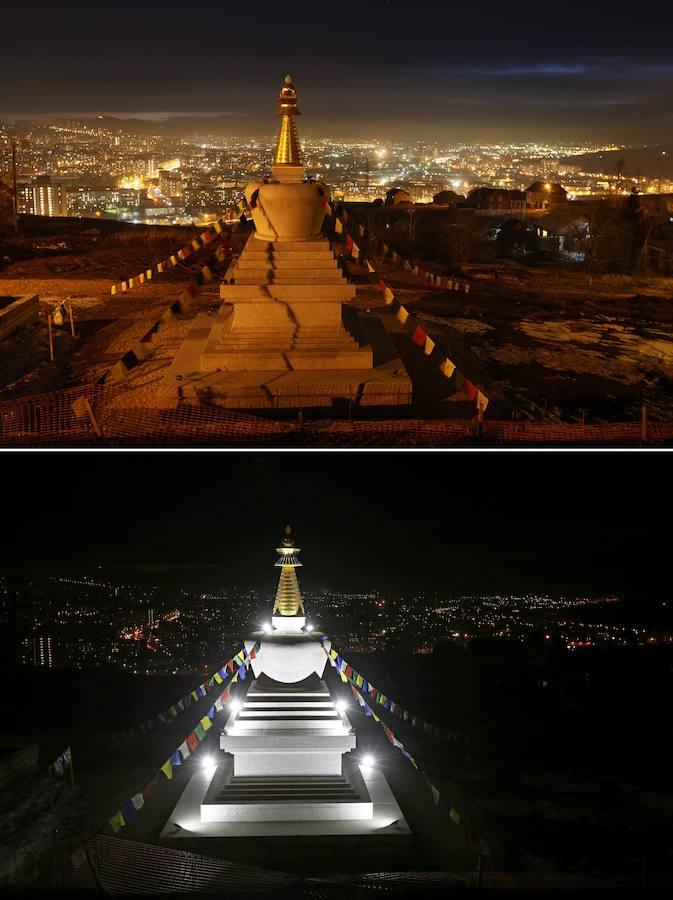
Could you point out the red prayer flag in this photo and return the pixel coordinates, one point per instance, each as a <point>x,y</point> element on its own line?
<point>469,389</point>
<point>349,243</point>
<point>419,336</point>
<point>192,741</point>
<point>382,285</point>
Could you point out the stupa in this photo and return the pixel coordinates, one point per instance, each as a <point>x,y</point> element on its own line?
<point>290,764</point>
<point>279,338</point>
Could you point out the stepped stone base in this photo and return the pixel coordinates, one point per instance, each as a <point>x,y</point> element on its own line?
<point>289,798</point>
<point>386,823</point>
<point>282,340</point>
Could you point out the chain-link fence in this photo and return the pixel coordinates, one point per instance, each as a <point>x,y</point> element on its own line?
<point>107,866</point>
<point>92,415</point>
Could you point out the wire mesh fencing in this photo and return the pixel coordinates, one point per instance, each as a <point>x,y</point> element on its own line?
<point>92,415</point>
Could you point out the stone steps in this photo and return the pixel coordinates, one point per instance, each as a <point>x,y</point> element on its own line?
<point>255,245</point>
<point>283,263</point>
<point>279,276</point>
<point>287,292</point>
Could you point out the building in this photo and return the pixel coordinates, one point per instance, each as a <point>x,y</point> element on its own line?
<point>496,201</point>
<point>544,195</point>
<point>447,198</point>
<point>170,183</point>
<point>396,196</point>
<point>6,205</point>
<point>42,651</point>
<point>49,198</point>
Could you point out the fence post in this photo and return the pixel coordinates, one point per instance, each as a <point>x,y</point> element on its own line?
<point>51,789</point>
<point>643,424</point>
<point>480,872</point>
<point>51,338</point>
<point>72,320</point>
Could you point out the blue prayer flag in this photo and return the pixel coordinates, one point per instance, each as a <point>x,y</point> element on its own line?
<point>128,810</point>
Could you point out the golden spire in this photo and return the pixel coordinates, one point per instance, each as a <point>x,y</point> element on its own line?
<point>288,598</point>
<point>288,160</point>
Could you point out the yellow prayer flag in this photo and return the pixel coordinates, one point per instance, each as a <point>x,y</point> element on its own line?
<point>196,244</point>
<point>113,289</point>
<point>217,677</point>
<point>338,227</point>
<point>207,274</point>
<point>402,315</point>
<point>167,769</point>
<point>447,368</point>
<point>206,723</point>
<point>117,822</point>
<point>455,818</point>
<point>148,274</point>
<point>333,654</point>
<point>195,696</point>
<point>342,676</point>
<point>234,679</point>
<point>388,296</point>
<point>482,401</point>
<point>429,345</point>
<point>173,260</point>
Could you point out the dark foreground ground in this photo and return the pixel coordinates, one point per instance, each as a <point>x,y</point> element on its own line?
<point>561,761</point>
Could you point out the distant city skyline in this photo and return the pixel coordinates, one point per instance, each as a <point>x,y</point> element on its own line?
<point>473,73</point>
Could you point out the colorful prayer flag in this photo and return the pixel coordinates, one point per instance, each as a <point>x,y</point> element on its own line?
<point>419,336</point>
<point>117,822</point>
<point>447,368</point>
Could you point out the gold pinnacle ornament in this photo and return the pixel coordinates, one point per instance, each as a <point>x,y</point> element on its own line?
<point>288,157</point>
<point>288,599</point>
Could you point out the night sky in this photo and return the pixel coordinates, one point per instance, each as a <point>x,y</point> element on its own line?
<point>451,522</point>
<point>377,68</point>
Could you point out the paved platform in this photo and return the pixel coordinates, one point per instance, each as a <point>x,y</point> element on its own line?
<point>387,818</point>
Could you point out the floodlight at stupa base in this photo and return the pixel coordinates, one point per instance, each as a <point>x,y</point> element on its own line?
<point>234,706</point>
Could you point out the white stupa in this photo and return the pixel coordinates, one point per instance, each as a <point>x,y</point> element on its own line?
<point>279,338</point>
<point>290,763</point>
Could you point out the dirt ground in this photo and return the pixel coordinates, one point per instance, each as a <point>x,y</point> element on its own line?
<point>542,341</point>
<point>107,326</point>
<point>579,347</point>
